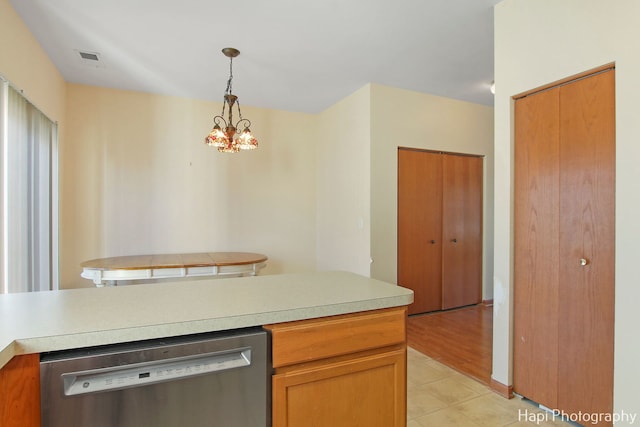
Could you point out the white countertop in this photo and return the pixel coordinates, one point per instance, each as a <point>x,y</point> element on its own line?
<point>37,322</point>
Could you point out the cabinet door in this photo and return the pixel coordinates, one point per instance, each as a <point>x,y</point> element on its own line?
<point>461,230</point>
<point>420,227</point>
<point>365,391</point>
<point>20,392</point>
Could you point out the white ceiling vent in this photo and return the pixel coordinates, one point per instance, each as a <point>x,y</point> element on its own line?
<point>90,59</point>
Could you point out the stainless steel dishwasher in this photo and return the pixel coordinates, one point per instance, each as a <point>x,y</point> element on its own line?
<point>206,380</point>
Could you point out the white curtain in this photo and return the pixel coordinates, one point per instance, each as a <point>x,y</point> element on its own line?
<point>29,199</point>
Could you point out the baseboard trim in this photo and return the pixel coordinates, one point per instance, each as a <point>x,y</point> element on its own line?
<point>505,391</point>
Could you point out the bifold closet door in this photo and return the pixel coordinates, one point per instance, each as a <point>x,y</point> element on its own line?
<point>587,241</point>
<point>461,230</point>
<point>440,228</point>
<point>420,227</point>
<point>536,247</point>
<point>564,245</point>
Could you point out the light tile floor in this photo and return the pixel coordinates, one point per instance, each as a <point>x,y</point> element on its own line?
<point>440,396</point>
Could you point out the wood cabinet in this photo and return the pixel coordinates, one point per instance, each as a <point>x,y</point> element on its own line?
<point>440,228</point>
<point>347,370</point>
<point>20,392</point>
<point>564,245</point>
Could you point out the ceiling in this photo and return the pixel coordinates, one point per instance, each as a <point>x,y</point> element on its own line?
<point>296,55</point>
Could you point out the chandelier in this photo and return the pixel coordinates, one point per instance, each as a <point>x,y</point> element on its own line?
<point>224,134</point>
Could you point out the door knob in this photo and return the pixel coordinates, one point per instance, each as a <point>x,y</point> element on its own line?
<point>583,262</point>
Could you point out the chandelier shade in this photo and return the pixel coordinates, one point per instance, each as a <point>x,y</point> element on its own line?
<point>224,135</point>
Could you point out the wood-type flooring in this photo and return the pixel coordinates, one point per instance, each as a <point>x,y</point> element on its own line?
<point>460,339</point>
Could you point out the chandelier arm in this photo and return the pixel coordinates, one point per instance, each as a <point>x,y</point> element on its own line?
<point>239,111</point>
<point>217,119</point>
<point>247,121</point>
<point>224,105</point>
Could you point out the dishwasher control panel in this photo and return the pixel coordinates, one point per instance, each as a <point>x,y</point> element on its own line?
<point>136,375</point>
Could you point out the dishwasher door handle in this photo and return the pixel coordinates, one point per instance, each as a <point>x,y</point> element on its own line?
<point>152,372</point>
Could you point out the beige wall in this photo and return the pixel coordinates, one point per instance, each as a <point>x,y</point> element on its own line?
<point>149,185</point>
<point>410,119</point>
<point>139,179</point>
<point>27,66</point>
<point>539,42</point>
<point>343,195</point>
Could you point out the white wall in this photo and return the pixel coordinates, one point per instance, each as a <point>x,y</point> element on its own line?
<point>411,119</point>
<point>539,42</point>
<point>343,190</point>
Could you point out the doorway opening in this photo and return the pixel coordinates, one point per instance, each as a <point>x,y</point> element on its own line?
<point>460,339</point>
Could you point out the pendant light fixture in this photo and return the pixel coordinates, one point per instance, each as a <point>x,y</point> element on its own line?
<point>224,134</point>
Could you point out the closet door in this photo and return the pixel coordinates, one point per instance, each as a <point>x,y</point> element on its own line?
<point>564,245</point>
<point>536,247</point>
<point>587,236</point>
<point>420,227</point>
<point>461,230</point>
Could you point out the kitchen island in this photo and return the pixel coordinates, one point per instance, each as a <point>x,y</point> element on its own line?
<point>33,323</point>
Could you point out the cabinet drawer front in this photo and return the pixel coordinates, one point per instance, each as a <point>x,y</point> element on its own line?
<point>308,340</point>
